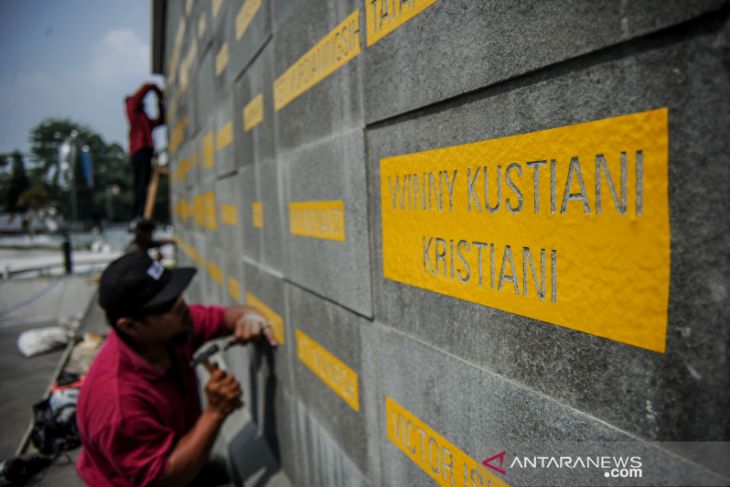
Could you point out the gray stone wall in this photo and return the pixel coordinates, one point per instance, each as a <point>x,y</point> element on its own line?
<point>378,382</point>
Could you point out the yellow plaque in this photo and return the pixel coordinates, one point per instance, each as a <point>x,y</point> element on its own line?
<point>202,25</point>
<point>338,376</point>
<point>318,219</point>
<point>229,214</point>
<point>443,461</point>
<point>216,4</point>
<point>257,210</point>
<point>215,273</point>
<point>384,16</point>
<point>275,320</point>
<point>253,112</point>
<point>331,53</point>
<point>569,225</point>
<point>209,211</point>
<point>234,289</point>
<point>245,16</point>
<point>224,136</point>
<point>208,151</point>
<point>221,59</point>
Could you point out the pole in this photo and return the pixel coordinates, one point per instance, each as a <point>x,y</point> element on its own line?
<point>66,249</point>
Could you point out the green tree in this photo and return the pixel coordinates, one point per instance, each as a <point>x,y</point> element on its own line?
<point>17,184</point>
<point>110,167</point>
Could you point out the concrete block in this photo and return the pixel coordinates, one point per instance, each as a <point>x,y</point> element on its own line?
<point>225,162</point>
<point>487,43</point>
<point>254,116</point>
<point>205,90</point>
<point>328,262</point>
<point>329,106</point>
<point>250,29</point>
<point>215,272</point>
<point>221,51</point>
<point>473,414</point>
<point>643,392</point>
<point>320,459</point>
<point>280,11</point>
<point>326,358</point>
<point>263,241</point>
<point>230,215</point>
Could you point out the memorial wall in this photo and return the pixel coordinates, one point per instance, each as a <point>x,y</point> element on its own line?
<point>491,236</point>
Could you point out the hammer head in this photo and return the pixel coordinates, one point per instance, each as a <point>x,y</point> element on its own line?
<point>203,356</point>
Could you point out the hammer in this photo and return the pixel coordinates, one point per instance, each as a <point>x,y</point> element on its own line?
<point>202,358</point>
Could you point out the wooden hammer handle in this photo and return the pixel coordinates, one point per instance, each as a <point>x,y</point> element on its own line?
<point>212,368</point>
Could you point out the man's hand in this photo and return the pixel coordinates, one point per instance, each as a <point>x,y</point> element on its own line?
<point>249,325</point>
<point>223,392</point>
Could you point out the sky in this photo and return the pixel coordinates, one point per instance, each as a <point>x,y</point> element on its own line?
<point>75,59</point>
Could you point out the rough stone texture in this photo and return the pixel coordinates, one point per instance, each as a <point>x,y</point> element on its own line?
<point>337,331</point>
<point>225,162</point>
<point>261,182</point>
<point>205,89</point>
<point>332,169</point>
<point>680,395</point>
<point>244,50</point>
<point>334,104</point>
<point>256,144</point>
<point>438,388</point>
<point>230,234</point>
<point>487,380</point>
<point>455,47</point>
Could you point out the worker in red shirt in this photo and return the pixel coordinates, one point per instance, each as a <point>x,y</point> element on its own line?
<point>138,412</point>
<point>141,145</point>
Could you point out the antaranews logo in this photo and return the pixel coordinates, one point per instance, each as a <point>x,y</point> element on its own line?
<point>612,466</point>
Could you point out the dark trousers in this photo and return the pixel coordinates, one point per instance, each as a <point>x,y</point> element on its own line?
<point>142,166</point>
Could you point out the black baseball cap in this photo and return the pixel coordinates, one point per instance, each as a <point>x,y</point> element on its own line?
<point>136,285</point>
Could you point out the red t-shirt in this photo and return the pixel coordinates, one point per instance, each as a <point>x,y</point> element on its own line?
<point>140,125</point>
<point>131,414</point>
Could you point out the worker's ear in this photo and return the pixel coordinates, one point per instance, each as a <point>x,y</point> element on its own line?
<point>128,326</point>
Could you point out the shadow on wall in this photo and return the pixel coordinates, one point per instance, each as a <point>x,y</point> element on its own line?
<point>254,451</point>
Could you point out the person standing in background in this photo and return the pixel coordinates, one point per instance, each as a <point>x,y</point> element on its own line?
<point>141,144</point>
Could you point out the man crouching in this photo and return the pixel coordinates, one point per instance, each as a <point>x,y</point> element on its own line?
<point>138,412</point>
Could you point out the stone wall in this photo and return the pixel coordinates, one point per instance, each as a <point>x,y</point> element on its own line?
<point>337,163</point>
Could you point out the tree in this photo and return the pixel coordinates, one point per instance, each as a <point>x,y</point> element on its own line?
<point>111,167</point>
<point>17,184</point>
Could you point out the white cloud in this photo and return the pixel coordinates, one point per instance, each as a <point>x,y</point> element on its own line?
<point>121,54</point>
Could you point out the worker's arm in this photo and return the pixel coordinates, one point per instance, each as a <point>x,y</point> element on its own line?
<point>246,323</point>
<point>191,452</point>
<point>135,102</point>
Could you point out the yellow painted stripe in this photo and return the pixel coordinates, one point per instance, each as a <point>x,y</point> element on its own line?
<point>338,376</point>
<point>215,273</point>
<point>208,150</point>
<point>202,25</point>
<point>224,136</point>
<point>229,214</point>
<point>384,16</point>
<point>216,4</point>
<point>553,225</point>
<point>443,461</point>
<point>275,320</point>
<point>245,16</point>
<point>257,211</point>
<point>221,59</point>
<point>253,112</point>
<point>199,210</point>
<point>331,53</point>
<point>318,219</point>
<point>234,289</point>
<point>209,211</point>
